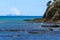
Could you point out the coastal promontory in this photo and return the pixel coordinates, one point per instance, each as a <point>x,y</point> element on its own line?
<point>52,13</point>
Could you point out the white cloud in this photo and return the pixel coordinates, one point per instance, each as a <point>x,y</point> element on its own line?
<point>15,11</point>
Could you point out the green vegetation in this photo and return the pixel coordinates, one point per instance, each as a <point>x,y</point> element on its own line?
<point>48,4</point>
<point>54,0</point>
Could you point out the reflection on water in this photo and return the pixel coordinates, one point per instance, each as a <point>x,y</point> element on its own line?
<point>26,31</point>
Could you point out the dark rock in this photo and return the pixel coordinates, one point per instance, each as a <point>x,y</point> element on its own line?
<point>51,29</point>
<point>33,32</point>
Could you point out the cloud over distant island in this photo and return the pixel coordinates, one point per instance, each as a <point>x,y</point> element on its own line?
<point>14,12</point>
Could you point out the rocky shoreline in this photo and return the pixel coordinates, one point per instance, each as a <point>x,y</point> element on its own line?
<point>52,14</point>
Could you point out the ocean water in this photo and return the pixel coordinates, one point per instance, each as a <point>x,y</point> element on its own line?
<point>17,18</point>
<point>23,29</point>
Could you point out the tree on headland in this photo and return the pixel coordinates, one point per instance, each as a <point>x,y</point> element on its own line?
<point>49,2</point>
<point>54,0</point>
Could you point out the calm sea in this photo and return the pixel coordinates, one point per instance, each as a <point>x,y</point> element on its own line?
<point>10,23</point>
<point>21,18</point>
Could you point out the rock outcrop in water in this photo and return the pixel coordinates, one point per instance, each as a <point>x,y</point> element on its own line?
<point>52,13</point>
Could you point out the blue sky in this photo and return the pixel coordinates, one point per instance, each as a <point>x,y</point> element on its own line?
<point>22,7</point>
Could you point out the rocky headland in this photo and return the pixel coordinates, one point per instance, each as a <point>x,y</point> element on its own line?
<point>52,13</point>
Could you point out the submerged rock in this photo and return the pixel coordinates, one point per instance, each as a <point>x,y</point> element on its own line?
<point>38,32</point>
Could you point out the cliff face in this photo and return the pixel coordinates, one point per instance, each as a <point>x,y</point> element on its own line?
<point>52,13</point>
